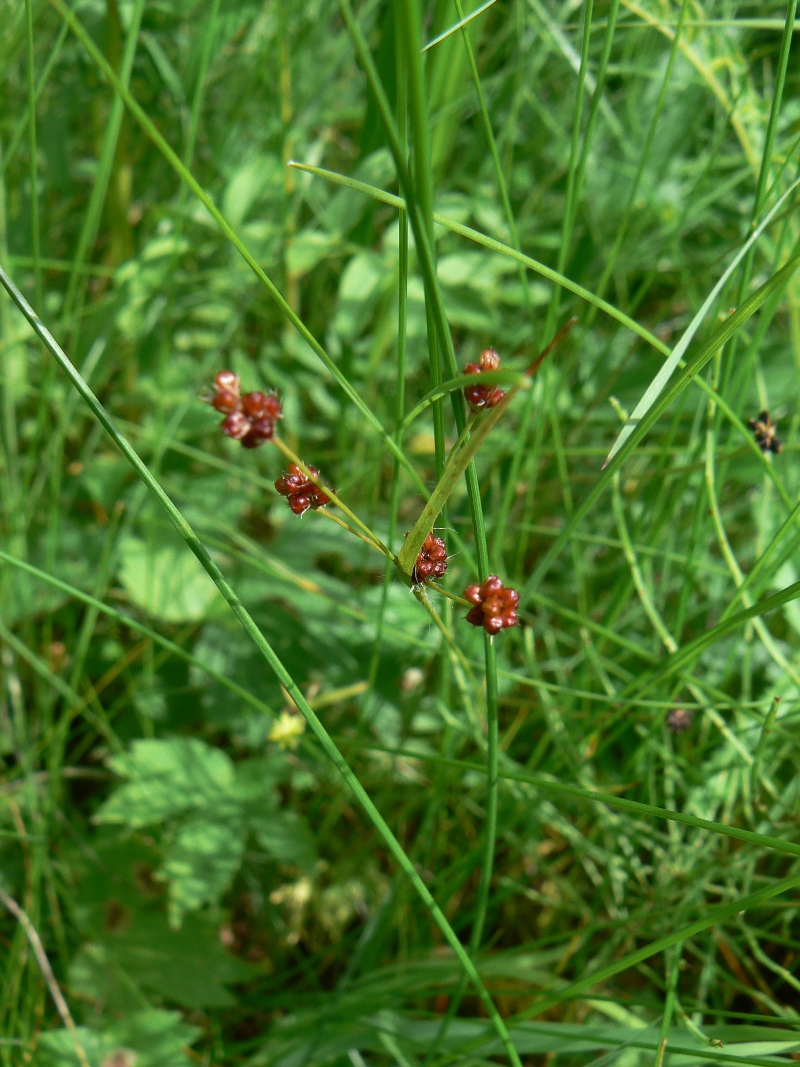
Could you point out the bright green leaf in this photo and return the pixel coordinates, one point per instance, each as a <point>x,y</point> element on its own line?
<point>201,862</point>
<point>168,583</point>
<point>166,778</point>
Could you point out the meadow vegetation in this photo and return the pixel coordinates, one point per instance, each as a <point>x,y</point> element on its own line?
<point>264,800</point>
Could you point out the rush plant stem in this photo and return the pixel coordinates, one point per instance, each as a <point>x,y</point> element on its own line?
<point>265,648</point>
<point>442,358</point>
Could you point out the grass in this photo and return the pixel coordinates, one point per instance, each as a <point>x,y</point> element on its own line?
<point>258,802</point>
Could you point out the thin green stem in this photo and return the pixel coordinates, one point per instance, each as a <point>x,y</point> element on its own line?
<point>33,162</point>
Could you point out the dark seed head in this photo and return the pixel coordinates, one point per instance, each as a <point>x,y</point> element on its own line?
<point>483,396</point>
<point>431,560</point>
<point>765,433</point>
<point>495,607</point>
<point>300,492</point>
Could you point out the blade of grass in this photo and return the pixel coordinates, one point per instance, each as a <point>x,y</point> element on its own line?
<point>442,359</point>
<point>462,455</point>
<point>494,246</point>
<point>464,20</point>
<point>133,624</point>
<point>694,648</point>
<point>33,162</point>
<point>47,974</point>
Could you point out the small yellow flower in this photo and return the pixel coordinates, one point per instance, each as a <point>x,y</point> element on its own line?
<point>287,729</point>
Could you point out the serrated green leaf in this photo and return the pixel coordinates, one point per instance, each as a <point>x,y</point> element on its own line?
<point>188,966</point>
<point>168,583</point>
<point>166,778</point>
<point>150,1038</point>
<point>201,862</point>
<point>286,837</point>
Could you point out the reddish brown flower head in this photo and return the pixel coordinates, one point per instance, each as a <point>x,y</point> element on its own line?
<point>483,396</point>
<point>250,418</point>
<point>301,493</point>
<point>431,561</point>
<point>494,607</point>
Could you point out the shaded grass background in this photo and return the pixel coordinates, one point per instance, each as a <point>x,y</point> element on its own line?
<point>634,164</point>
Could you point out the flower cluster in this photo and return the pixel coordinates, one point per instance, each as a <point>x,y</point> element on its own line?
<point>495,607</point>
<point>250,418</point>
<point>765,433</point>
<point>301,493</point>
<point>431,561</point>
<point>483,396</point>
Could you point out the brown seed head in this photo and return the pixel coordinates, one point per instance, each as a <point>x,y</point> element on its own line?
<point>431,560</point>
<point>301,493</point>
<point>483,396</point>
<point>494,606</point>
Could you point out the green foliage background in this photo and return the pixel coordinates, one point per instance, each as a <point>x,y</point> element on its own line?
<point>205,885</point>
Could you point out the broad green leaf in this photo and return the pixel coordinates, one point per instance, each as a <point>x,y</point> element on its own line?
<point>360,285</point>
<point>286,837</point>
<point>201,861</point>
<point>166,778</point>
<point>188,966</point>
<point>150,1038</point>
<point>308,249</point>
<point>168,583</point>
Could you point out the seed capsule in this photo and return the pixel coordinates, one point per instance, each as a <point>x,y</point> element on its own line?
<point>483,396</point>
<point>494,606</point>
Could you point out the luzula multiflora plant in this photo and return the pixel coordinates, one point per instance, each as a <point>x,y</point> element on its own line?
<point>251,418</point>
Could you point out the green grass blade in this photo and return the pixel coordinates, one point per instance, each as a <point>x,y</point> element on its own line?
<point>678,660</point>
<point>465,21</point>
<point>714,917</point>
<point>134,624</point>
